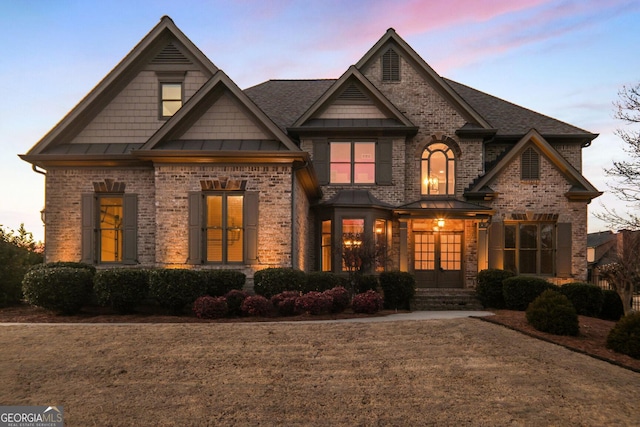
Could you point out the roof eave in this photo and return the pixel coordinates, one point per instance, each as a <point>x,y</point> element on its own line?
<point>188,156</point>
<point>360,130</point>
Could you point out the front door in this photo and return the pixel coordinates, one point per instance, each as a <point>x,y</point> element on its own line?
<point>438,259</point>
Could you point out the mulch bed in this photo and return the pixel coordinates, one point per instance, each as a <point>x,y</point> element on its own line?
<point>591,340</point>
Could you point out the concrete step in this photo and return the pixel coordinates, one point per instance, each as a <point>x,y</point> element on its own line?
<point>445,299</point>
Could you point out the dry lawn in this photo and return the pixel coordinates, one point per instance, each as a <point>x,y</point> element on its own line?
<point>436,372</point>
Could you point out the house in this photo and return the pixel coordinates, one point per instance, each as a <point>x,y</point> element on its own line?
<point>168,163</point>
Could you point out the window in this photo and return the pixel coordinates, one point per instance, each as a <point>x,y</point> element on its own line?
<point>352,245</point>
<point>224,228</point>
<point>380,244</point>
<point>326,246</point>
<point>109,228</point>
<point>352,162</point>
<point>529,248</point>
<point>530,165</point>
<point>110,233</point>
<point>170,98</point>
<point>438,170</point>
<point>390,66</point>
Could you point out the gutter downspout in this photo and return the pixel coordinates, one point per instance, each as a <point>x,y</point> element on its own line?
<point>43,217</point>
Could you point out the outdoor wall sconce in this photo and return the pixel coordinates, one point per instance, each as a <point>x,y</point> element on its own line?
<point>43,215</point>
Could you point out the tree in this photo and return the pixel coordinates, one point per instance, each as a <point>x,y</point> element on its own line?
<point>624,274</point>
<point>18,252</point>
<point>626,173</point>
<point>361,255</point>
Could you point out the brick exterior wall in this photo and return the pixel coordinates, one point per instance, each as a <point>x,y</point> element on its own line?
<point>63,190</point>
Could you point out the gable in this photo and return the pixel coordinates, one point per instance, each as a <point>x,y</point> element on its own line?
<point>578,188</point>
<point>225,120</point>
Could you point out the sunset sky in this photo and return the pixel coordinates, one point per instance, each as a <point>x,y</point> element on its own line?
<point>565,59</point>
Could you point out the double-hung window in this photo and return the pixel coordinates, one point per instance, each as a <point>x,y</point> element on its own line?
<point>170,98</point>
<point>352,162</point>
<point>110,230</point>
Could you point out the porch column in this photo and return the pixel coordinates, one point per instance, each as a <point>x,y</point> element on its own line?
<point>404,246</point>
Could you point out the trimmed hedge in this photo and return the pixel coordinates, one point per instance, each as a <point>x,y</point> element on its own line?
<point>552,312</point>
<point>272,281</point>
<point>340,297</point>
<point>399,288</point>
<point>489,289</point>
<point>625,336</point>
<point>366,282</point>
<point>520,291</point>
<point>256,305</point>
<point>219,282</point>
<point>121,289</point>
<point>62,289</point>
<point>175,289</point>
<point>612,308</point>
<point>235,298</point>
<point>369,302</point>
<point>314,303</point>
<point>585,297</point>
<point>321,281</point>
<point>285,302</point>
<point>208,307</point>
<point>69,264</point>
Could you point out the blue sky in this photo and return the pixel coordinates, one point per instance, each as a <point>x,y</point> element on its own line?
<point>565,59</point>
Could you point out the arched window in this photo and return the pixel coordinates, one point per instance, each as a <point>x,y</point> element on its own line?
<point>438,171</point>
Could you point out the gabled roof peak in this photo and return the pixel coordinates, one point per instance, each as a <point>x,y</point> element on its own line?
<point>166,18</point>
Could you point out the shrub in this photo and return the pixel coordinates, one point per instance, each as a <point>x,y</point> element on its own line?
<point>285,302</point>
<point>208,307</point>
<point>520,291</point>
<point>552,312</point>
<point>340,299</point>
<point>175,289</point>
<point>399,289</point>
<point>235,298</point>
<point>320,281</point>
<point>271,281</point>
<point>586,298</point>
<point>625,336</point>
<point>121,289</point>
<point>612,308</point>
<point>489,287</point>
<point>314,303</point>
<point>366,282</point>
<point>219,282</point>
<point>69,264</point>
<point>62,289</point>
<point>256,305</point>
<point>369,302</point>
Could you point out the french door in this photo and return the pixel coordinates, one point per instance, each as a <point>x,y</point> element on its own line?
<point>438,259</point>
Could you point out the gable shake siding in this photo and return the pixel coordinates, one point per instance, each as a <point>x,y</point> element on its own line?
<point>274,139</point>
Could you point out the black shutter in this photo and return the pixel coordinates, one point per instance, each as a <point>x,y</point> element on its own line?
<point>496,243</point>
<point>196,216</point>
<point>563,250</point>
<point>88,214</point>
<point>384,162</point>
<point>321,160</point>
<point>251,214</point>
<point>130,237</point>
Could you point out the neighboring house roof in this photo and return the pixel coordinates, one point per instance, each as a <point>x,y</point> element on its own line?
<point>597,239</point>
<point>581,188</point>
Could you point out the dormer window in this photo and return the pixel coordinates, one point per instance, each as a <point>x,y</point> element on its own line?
<point>170,98</point>
<point>530,165</point>
<point>390,66</point>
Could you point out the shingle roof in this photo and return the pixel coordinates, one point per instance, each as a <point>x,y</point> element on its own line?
<point>286,100</point>
<point>509,118</point>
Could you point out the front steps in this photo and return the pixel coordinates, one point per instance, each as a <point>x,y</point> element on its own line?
<point>428,299</point>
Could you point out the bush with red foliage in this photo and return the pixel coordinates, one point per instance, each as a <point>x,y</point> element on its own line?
<point>208,307</point>
<point>369,302</point>
<point>340,298</point>
<point>314,303</point>
<point>234,301</point>
<point>285,302</point>
<point>256,305</point>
